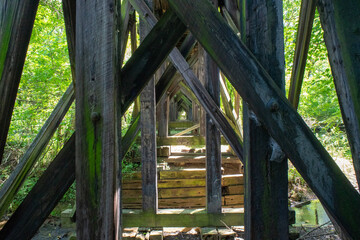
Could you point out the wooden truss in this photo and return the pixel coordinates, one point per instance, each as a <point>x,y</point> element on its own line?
<point>97,33</point>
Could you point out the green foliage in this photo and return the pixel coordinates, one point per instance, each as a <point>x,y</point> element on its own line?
<point>318,100</point>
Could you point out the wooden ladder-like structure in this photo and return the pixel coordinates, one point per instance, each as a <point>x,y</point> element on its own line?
<point>246,45</point>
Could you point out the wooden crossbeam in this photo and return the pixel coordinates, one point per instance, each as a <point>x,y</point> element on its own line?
<point>306,19</point>
<point>341,23</point>
<point>27,161</point>
<point>187,130</point>
<point>281,120</point>
<point>16,25</point>
<point>204,98</point>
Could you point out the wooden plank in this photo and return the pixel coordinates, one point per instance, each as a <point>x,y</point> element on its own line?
<point>181,192</point>
<point>12,185</point>
<point>169,183</point>
<point>266,168</point>
<point>181,218</point>
<point>181,124</point>
<point>339,22</point>
<point>43,197</point>
<point>185,140</point>
<point>234,179</point>
<point>98,174</point>
<point>187,130</point>
<point>194,83</point>
<point>303,36</point>
<point>148,137</point>
<point>16,23</point>
<point>209,233</point>
<point>281,120</point>
<point>185,173</point>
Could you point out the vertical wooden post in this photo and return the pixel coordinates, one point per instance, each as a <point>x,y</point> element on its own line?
<point>98,173</point>
<point>164,116</point>
<point>148,138</point>
<point>213,143</point>
<point>341,23</point>
<point>16,23</point>
<point>201,75</point>
<point>266,209</point>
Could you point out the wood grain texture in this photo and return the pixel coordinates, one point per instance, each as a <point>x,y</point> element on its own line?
<point>341,23</point>
<point>16,23</point>
<point>43,197</point>
<point>148,137</point>
<point>266,173</point>
<point>97,150</point>
<point>267,101</point>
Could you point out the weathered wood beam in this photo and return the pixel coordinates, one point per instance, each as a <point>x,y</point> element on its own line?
<point>149,56</point>
<point>43,197</point>
<point>16,23</point>
<point>148,137</point>
<point>306,19</point>
<point>187,92</point>
<point>196,86</point>
<point>27,161</point>
<point>98,167</point>
<point>341,23</point>
<point>213,141</point>
<point>276,113</point>
<point>69,10</point>
<point>187,130</point>
<point>266,180</point>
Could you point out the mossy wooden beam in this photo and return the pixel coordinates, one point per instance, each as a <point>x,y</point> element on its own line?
<point>184,140</point>
<point>181,124</point>
<point>182,218</point>
<point>341,23</point>
<point>43,197</point>
<point>12,185</point>
<point>16,22</point>
<point>306,19</point>
<point>204,98</point>
<point>149,56</point>
<point>98,125</point>
<point>276,113</point>
<point>265,165</point>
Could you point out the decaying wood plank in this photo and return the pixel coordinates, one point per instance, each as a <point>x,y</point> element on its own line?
<point>98,172</point>
<point>16,23</point>
<point>306,19</point>
<point>27,161</point>
<point>266,166</point>
<point>281,120</point>
<point>341,23</point>
<point>196,86</point>
<point>43,197</point>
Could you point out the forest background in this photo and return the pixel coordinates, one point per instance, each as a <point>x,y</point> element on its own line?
<point>47,75</point>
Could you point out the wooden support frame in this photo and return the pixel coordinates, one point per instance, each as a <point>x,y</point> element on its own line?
<point>281,120</point>
<point>98,168</point>
<point>196,86</point>
<point>15,30</point>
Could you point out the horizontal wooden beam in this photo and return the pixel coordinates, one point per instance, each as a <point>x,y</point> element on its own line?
<point>276,113</point>
<point>183,218</point>
<point>185,140</point>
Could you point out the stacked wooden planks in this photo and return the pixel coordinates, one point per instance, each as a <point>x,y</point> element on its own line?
<point>183,189</point>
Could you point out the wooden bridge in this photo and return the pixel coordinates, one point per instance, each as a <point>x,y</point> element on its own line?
<point>184,45</point>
